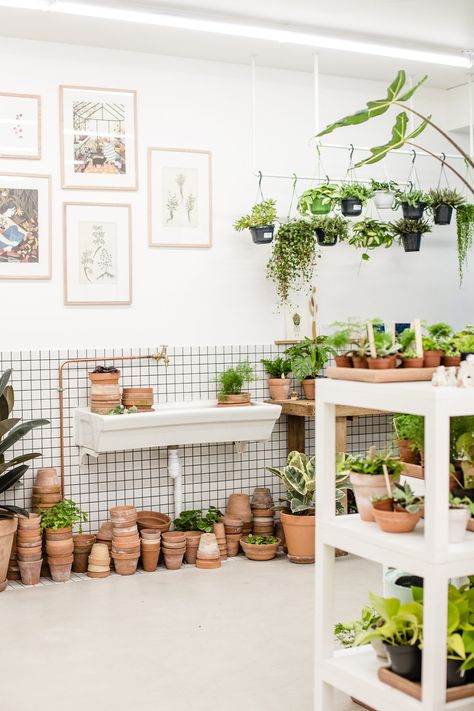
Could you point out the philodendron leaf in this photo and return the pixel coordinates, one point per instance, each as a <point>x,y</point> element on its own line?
<point>397,141</point>
<point>419,129</point>
<point>407,95</point>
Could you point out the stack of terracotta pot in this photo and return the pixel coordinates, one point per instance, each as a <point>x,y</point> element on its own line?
<point>46,490</point>
<point>28,548</point>
<point>13,572</point>
<point>238,506</point>
<point>83,543</point>
<point>141,398</point>
<point>59,549</point>
<point>104,535</point>
<point>263,513</point>
<point>99,561</point>
<point>208,555</point>
<point>233,533</point>
<point>174,546</point>
<point>150,539</point>
<point>125,539</point>
<point>219,532</point>
<point>105,390</point>
<point>192,545</point>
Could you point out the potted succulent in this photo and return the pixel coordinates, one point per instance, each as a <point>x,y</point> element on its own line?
<point>330,229</point>
<point>460,511</point>
<point>277,370</point>
<point>383,193</point>
<point>400,632</point>
<point>368,234</point>
<point>293,258</point>
<point>360,343</point>
<point>353,196</point>
<point>231,382</point>
<point>434,343</point>
<point>398,512</point>
<point>465,235</point>
<point>318,201</point>
<point>12,430</point>
<point>307,358</point>
<point>386,349</point>
<point>408,354</point>
<point>260,222</point>
<point>410,434</point>
<point>409,233</point>
<point>260,547</point>
<point>367,476</point>
<point>443,201</point>
<point>413,203</point>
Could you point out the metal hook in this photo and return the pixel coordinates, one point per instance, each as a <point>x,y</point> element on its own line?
<point>260,178</point>
<point>410,186</point>
<point>351,148</point>
<point>443,157</point>
<point>327,179</point>
<point>295,179</point>
<point>413,156</point>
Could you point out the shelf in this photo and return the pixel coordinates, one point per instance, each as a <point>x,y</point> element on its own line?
<point>298,408</point>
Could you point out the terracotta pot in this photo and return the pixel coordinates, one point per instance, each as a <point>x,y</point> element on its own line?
<point>383,505</point>
<point>44,489</point>
<point>173,537</point>
<point>132,550</point>
<point>153,519</point>
<point>208,546</point>
<point>150,544</point>
<point>80,562</point>
<point>47,476</point>
<point>34,539</point>
<point>58,534</point>
<point>173,559</point>
<point>83,541</point>
<point>7,531</point>
<point>33,521</point>
<point>192,545</point>
<point>261,498</point>
<point>105,531</point>
<point>208,564</point>
<point>100,552</point>
<point>104,377</point>
<point>300,535</point>
<point>127,566</point>
<point>171,546</point>
<point>279,388</point>
<point>412,362</point>
<point>126,541</point>
<point>431,359</point>
<point>380,363</point>
<point>121,531</point>
<point>263,513</point>
<point>152,534</point>
<point>150,559</point>
<point>61,559</point>
<point>359,362</point>
<point>309,388</point>
<point>406,453</point>
<point>31,545</point>
<point>254,551</point>
<point>121,514</point>
<point>238,505</point>
<point>280,533</point>
<point>218,530</point>
<point>141,398</point>
<point>365,486</point>
<point>65,547</point>
<point>343,361</point>
<point>241,400</point>
<point>95,567</point>
<point>233,547</point>
<point>30,571</point>
<point>451,361</point>
<point>29,554</point>
<point>124,556</point>
<point>92,574</point>
<point>60,572</point>
<point>396,521</point>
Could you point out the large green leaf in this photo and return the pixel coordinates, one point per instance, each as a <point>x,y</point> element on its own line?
<point>18,460</point>
<point>386,607</point>
<point>456,646</point>
<point>411,91</point>
<point>398,140</point>
<point>12,477</point>
<point>299,505</point>
<point>453,617</point>
<point>19,432</point>
<point>5,377</point>
<point>7,425</point>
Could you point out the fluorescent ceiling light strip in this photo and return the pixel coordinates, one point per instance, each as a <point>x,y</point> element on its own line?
<point>271,34</point>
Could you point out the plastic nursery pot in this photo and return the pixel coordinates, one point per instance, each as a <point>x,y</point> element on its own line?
<point>359,362</point>
<point>319,208</point>
<point>460,492</point>
<point>265,551</point>
<point>457,523</point>
<point>30,571</point>
<point>241,400</point>
<point>431,359</point>
<point>309,388</point>
<point>380,363</point>
<point>323,240</point>
<point>365,487</point>
<point>396,521</point>
<point>413,213</point>
<point>454,676</point>
<point>442,216</point>
<point>451,361</point>
<point>405,660</point>
<point>383,199</point>
<point>262,235</point>
<point>343,361</point>
<point>411,241</point>
<point>412,362</point>
<point>279,388</point>
<point>351,207</point>
<point>300,536</point>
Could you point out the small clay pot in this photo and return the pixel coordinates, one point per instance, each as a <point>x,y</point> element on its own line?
<point>173,559</point>
<point>208,546</point>
<point>120,514</point>
<point>412,362</point>
<point>383,505</point>
<point>359,361</point>
<point>60,572</point>
<point>83,541</point>
<point>380,363</point>
<point>238,506</point>
<point>125,566</point>
<point>150,559</point>
<point>126,541</point>
<point>96,568</point>
<point>92,574</point>
<point>233,547</point>
<point>153,519</point>
<point>30,542</point>
<point>218,530</point>
<point>241,400</point>
<point>279,388</point>
<point>150,545</point>
<point>261,498</point>
<point>263,512</point>
<point>262,552</point>
<point>208,564</point>
<point>30,571</point>
<point>59,534</point>
<point>173,537</point>
<point>29,555</point>
<point>432,359</point>
<point>33,521</point>
<point>61,547</point>
<point>451,361</point>
<point>151,534</point>
<point>406,453</point>
<point>47,476</point>
<point>121,531</point>
<point>174,546</point>
<point>80,562</point>
<point>343,361</point>
<point>46,489</point>
<point>396,521</point>
<point>309,388</point>
<point>134,550</point>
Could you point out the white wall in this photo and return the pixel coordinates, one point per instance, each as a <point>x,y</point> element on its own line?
<point>218,295</point>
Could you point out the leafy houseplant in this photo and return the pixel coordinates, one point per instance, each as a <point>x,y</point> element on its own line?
<point>347,633</point>
<point>386,351</point>
<point>260,547</point>
<point>368,234</point>
<point>293,258</point>
<point>383,193</point>
<point>463,341</point>
<point>341,340</point>
<point>413,203</point>
<point>410,433</point>
<point>260,222</point>
<point>408,352</point>
<point>410,232</point>
<point>443,202</point>
<point>194,520</point>
<point>317,201</point>
<point>400,512</point>
<point>434,343</point>
<point>460,511</point>
<point>465,235</point>
<point>465,456</point>
<point>231,382</point>
<point>64,514</point>
<point>353,197</point>
<point>278,383</point>
<point>330,229</point>
<point>307,358</point>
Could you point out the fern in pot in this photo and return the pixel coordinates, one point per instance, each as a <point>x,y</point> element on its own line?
<point>231,383</point>
<point>443,202</point>
<point>260,222</point>
<point>383,193</point>
<point>277,370</point>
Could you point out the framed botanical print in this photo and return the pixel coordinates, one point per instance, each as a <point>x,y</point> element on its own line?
<point>98,138</point>
<point>179,198</point>
<point>20,126</point>
<point>97,253</point>
<point>25,226</point>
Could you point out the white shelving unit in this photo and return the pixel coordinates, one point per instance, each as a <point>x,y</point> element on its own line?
<point>424,552</point>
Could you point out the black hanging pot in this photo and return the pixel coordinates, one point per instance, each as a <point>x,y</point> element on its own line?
<point>323,240</point>
<point>413,213</point>
<point>351,207</point>
<point>455,677</point>
<point>262,235</point>
<point>443,214</point>
<point>405,660</point>
<point>411,241</point>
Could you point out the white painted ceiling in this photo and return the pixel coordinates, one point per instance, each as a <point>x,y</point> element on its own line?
<point>430,24</point>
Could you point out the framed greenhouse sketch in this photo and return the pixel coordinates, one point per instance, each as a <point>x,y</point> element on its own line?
<point>97,253</point>
<point>98,138</point>
<point>20,126</point>
<point>179,198</point>
<point>25,226</point>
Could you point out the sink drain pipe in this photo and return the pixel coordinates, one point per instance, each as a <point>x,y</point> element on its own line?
<point>175,471</point>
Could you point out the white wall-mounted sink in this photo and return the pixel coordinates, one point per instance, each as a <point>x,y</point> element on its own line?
<point>172,424</point>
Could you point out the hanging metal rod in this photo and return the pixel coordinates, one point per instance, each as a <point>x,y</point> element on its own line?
<point>350,146</point>
<point>315,179</point>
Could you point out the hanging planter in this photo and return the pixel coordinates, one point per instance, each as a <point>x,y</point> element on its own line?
<point>260,222</point>
<point>410,232</point>
<point>353,197</point>
<point>330,229</point>
<point>262,235</point>
<point>383,194</point>
<point>443,202</point>
<point>465,235</point>
<point>413,203</point>
<point>293,257</point>
<point>368,234</point>
<point>317,201</point>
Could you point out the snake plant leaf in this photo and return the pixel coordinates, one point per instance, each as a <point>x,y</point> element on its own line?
<point>12,477</point>
<point>18,432</point>
<point>4,380</point>
<point>18,460</point>
<point>411,91</point>
<point>9,511</point>
<point>7,425</point>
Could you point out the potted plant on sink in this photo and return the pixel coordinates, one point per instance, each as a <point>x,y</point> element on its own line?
<point>260,222</point>
<point>410,232</point>
<point>231,382</point>
<point>307,359</point>
<point>353,197</point>
<point>330,229</point>
<point>383,193</point>
<point>443,202</point>
<point>399,511</point>
<point>413,203</point>
<point>318,201</point>
<point>277,370</point>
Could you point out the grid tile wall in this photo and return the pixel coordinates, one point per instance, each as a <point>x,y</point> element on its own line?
<point>210,472</point>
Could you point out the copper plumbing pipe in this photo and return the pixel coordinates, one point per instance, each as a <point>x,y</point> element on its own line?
<point>159,355</point>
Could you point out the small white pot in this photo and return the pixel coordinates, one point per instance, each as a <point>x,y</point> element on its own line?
<point>384,199</point>
<point>458,519</point>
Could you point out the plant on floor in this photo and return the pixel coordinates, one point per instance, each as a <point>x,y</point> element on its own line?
<point>194,520</point>
<point>411,428</point>
<point>232,380</point>
<point>261,540</point>
<point>318,200</point>
<point>293,260</point>
<point>402,624</point>
<point>373,463</point>
<point>262,214</point>
<point>276,368</point>
<point>348,632</point>
<point>64,514</point>
<point>298,477</point>
<point>309,357</point>
<point>465,235</point>
<point>368,234</point>
<point>330,229</point>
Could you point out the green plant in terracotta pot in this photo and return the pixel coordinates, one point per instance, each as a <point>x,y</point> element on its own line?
<point>410,434</point>
<point>434,343</point>
<point>260,222</point>
<point>341,339</point>
<point>318,201</point>
<point>307,359</point>
<point>63,515</point>
<point>463,342</point>
<point>386,350</point>
<point>408,354</point>
<point>260,547</point>
<point>231,382</point>
<point>398,512</point>
<point>278,384</point>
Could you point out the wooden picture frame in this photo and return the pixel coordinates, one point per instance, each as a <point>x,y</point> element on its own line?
<point>20,123</point>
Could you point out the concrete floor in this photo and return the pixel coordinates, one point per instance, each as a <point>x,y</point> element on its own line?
<point>241,636</point>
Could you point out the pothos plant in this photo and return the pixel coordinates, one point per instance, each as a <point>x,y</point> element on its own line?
<point>357,191</point>
<point>310,200</point>
<point>368,234</point>
<point>262,214</point>
<point>293,259</point>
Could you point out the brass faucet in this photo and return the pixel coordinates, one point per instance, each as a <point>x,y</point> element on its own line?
<point>162,355</point>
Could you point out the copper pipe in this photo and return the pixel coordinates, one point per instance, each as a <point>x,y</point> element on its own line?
<point>162,355</point>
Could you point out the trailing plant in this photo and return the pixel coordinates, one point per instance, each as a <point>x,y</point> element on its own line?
<point>276,368</point>
<point>446,196</point>
<point>333,227</point>
<point>348,632</point>
<point>368,234</point>
<point>262,214</point>
<point>390,186</point>
<point>231,381</point>
<point>194,520</point>
<point>465,235</point>
<point>261,540</point>
<point>403,227</point>
<point>309,356</point>
<point>357,191</point>
<point>64,514</point>
<point>12,430</point>
<point>411,428</point>
<point>414,198</point>
<point>373,464</point>
<point>324,193</point>
<point>401,624</point>
<point>293,259</point>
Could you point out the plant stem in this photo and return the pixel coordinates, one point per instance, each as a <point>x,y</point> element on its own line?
<point>437,128</point>
<point>433,155</point>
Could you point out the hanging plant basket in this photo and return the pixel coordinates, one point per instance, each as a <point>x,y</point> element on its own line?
<point>411,241</point>
<point>351,207</point>
<point>262,235</point>
<point>413,212</point>
<point>443,214</point>
<point>324,240</point>
<point>319,208</point>
<point>384,199</point>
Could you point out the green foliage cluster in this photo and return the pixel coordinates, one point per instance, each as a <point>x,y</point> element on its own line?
<point>411,428</point>
<point>465,235</point>
<point>193,520</point>
<point>333,227</point>
<point>446,196</point>
<point>262,214</point>
<point>276,368</point>
<point>413,198</point>
<point>261,540</point>
<point>386,186</point>
<point>62,515</point>
<point>404,497</point>
<point>368,234</point>
<point>309,356</point>
<point>372,464</point>
<point>231,381</point>
<point>293,259</point>
<point>325,194</point>
<point>400,624</point>
<point>385,345</point>
<point>355,190</point>
<point>404,227</point>
<point>122,410</point>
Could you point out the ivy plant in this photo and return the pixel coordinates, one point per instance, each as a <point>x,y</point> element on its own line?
<point>293,258</point>
<point>262,214</point>
<point>368,234</point>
